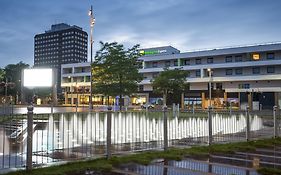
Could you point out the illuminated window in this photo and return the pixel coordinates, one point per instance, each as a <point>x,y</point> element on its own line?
<point>256,56</point>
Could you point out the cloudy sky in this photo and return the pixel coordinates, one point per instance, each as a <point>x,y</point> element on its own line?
<point>184,24</point>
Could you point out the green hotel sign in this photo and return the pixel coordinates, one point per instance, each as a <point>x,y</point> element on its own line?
<point>151,52</point>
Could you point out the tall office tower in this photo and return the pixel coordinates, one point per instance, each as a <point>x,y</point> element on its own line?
<point>61,44</point>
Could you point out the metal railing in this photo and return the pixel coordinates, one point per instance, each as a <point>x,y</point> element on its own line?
<point>39,139</point>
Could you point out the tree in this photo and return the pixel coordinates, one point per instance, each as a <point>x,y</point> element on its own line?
<point>2,74</point>
<point>13,75</point>
<point>170,81</point>
<point>115,70</point>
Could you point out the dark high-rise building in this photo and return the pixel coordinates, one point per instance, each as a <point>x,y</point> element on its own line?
<point>61,44</point>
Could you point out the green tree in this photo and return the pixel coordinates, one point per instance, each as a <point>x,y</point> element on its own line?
<point>2,74</point>
<point>170,81</point>
<point>115,70</point>
<point>13,75</point>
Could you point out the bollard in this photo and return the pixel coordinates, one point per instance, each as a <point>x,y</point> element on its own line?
<point>165,122</point>
<point>29,137</point>
<point>210,139</point>
<point>193,108</point>
<point>108,133</point>
<point>275,133</point>
<point>247,123</point>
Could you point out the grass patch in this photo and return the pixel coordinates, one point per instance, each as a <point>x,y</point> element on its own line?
<point>145,158</point>
<point>269,171</point>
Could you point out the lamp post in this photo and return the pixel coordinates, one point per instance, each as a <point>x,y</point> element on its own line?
<point>210,86</point>
<point>77,101</point>
<point>92,23</point>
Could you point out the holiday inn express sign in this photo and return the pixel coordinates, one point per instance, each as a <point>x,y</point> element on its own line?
<point>152,52</point>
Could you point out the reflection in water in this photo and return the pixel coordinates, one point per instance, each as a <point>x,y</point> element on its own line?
<point>76,135</point>
<point>188,167</point>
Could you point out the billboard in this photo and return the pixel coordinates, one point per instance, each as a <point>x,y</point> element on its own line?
<point>37,78</point>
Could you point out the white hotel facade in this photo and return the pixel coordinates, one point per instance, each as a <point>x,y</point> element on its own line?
<point>241,76</point>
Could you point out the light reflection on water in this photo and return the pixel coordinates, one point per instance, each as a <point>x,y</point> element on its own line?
<point>68,131</point>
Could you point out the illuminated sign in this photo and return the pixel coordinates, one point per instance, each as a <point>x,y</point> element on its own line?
<point>152,52</point>
<point>37,77</point>
<point>256,56</point>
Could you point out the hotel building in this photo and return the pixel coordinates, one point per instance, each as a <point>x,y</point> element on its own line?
<point>61,44</point>
<point>240,76</point>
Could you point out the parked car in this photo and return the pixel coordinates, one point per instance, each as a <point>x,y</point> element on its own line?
<point>147,105</point>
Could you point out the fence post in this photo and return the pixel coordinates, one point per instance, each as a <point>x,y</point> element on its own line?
<point>29,137</point>
<point>210,126</point>
<point>193,108</point>
<point>275,133</point>
<point>108,133</point>
<point>230,109</point>
<point>248,123</point>
<point>165,122</point>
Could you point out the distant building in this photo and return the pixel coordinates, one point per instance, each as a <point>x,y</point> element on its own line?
<point>61,44</point>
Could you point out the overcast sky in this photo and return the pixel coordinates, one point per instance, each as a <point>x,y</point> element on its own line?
<point>184,24</point>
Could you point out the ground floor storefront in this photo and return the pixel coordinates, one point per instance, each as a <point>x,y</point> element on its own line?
<point>189,100</point>
<point>222,100</point>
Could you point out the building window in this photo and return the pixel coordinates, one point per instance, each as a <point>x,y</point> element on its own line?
<point>271,69</point>
<point>186,62</point>
<point>154,75</point>
<point>198,61</point>
<point>197,73</point>
<point>270,56</point>
<point>256,70</point>
<point>210,60</point>
<point>238,71</point>
<point>256,56</point>
<point>219,86</point>
<point>176,63</point>
<point>140,87</point>
<point>228,59</point>
<point>154,64</point>
<point>244,86</point>
<point>228,72</point>
<point>238,58</point>
<point>167,63</point>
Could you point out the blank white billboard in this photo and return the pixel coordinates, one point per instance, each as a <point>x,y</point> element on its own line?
<point>37,77</point>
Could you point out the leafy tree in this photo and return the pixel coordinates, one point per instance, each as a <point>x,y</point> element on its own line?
<point>170,81</point>
<point>2,74</point>
<point>115,70</point>
<point>13,75</point>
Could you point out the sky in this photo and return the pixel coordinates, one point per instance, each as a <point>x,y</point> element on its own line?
<point>185,24</point>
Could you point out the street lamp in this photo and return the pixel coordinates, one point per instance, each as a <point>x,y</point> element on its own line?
<point>77,86</point>
<point>92,23</point>
<point>210,86</point>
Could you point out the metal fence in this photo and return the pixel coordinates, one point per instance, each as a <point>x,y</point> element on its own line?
<point>71,136</point>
